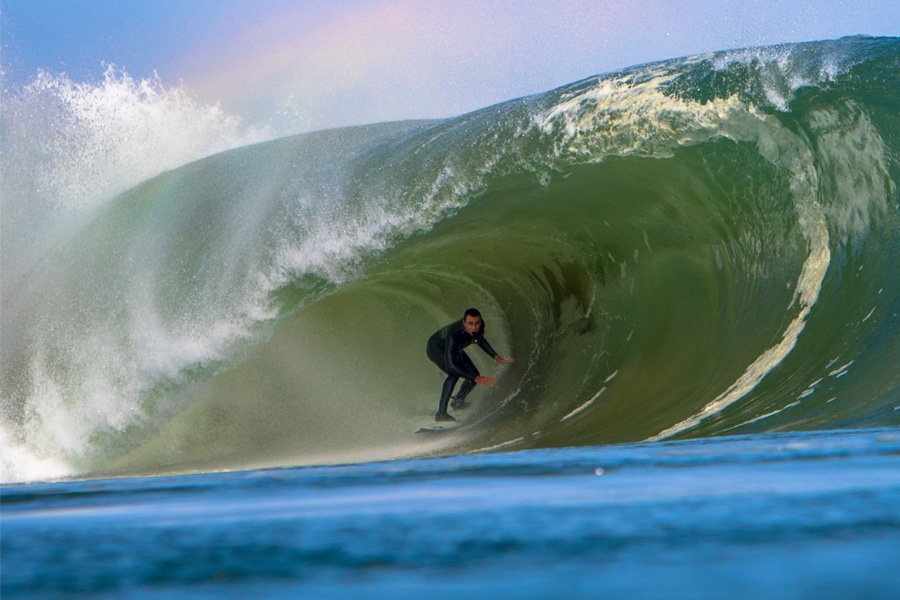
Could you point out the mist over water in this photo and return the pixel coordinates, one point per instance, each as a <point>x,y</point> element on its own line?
<point>688,248</point>
<point>69,148</point>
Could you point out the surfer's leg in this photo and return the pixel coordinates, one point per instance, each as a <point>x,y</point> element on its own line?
<point>449,384</point>
<point>464,390</point>
<point>459,402</point>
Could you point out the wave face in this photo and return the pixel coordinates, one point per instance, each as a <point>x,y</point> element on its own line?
<point>690,248</point>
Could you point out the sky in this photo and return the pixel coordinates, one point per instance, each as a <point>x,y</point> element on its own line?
<point>317,64</point>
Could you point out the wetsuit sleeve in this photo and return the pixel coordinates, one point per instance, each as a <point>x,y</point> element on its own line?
<point>484,345</point>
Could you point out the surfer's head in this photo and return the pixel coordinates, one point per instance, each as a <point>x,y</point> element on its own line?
<point>472,321</point>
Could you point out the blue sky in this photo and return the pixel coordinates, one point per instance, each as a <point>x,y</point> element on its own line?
<point>354,61</point>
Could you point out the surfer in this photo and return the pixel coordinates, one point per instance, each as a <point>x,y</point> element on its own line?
<point>445,349</point>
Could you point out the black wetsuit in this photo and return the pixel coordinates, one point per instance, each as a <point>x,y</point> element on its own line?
<point>445,349</point>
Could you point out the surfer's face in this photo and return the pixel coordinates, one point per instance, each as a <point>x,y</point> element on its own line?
<point>472,324</point>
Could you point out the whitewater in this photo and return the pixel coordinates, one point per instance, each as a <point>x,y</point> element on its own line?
<point>693,262</point>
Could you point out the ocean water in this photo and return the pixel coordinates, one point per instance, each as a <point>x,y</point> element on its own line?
<point>808,515</point>
<point>213,341</point>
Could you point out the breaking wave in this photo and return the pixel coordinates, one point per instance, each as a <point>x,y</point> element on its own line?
<point>689,248</point>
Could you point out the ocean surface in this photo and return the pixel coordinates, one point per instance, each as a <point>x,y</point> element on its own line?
<point>213,355</point>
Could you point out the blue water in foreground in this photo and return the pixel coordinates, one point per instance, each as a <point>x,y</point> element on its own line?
<point>799,515</point>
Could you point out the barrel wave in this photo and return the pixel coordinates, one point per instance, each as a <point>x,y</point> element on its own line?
<point>691,248</point>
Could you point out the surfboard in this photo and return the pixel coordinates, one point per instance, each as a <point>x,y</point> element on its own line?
<point>441,427</point>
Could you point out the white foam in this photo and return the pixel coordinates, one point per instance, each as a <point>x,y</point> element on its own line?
<point>584,406</point>
<point>842,370</point>
<point>780,75</point>
<point>499,446</point>
<point>620,116</point>
<point>853,157</point>
<point>765,416</point>
<point>100,139</point>
<point>19,463</point>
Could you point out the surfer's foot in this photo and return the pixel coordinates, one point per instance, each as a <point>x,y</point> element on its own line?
<point>442,415</point>
<point>457,404</point>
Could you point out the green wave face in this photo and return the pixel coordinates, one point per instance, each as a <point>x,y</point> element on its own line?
<point>690,248</point>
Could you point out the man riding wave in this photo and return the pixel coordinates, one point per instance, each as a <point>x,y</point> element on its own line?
<point>445,349</point>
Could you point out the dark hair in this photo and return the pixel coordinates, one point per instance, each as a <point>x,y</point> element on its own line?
<point>472,312</point>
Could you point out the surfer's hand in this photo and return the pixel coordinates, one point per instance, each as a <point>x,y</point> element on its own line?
<point>486,381</point>
<point>503,361</point>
